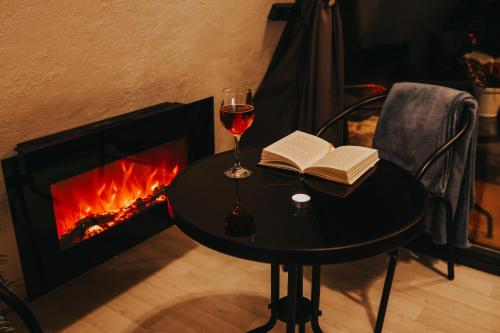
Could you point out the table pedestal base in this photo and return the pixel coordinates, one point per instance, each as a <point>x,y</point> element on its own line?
<point>295,309</point>
<point>303,310</point>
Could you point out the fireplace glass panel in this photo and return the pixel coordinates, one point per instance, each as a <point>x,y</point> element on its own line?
<point>92,202</point>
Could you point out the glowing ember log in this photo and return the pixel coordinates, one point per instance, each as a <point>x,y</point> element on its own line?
<point>96,223</point>
<point>92,202</point>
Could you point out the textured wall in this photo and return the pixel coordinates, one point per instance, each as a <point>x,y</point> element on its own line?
<point>66,63</point>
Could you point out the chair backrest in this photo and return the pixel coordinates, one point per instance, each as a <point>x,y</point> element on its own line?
<point>419,124</point>
<point>420,121</point>
<point>431,131</point>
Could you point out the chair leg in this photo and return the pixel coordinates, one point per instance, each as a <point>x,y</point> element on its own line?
<point>393,258</point>
<point>450,238</point>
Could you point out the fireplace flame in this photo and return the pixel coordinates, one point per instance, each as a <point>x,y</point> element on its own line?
<point>94,201</point>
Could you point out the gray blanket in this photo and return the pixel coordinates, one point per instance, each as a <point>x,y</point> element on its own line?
<point>416,119</point>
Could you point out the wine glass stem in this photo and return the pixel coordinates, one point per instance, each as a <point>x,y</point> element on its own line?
<point>237,194</point>
<point>237,164</point>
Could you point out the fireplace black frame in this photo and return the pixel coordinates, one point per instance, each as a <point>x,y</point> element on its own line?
<point>50,159</point>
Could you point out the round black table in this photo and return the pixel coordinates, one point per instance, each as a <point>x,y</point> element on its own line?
<point>256,219</point>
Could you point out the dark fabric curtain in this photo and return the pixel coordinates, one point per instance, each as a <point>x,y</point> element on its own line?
<point>304,84</point>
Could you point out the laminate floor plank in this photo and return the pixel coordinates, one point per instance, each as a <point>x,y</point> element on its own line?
<point>171,284</point>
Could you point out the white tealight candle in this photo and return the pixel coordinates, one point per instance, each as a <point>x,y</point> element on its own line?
<point>301,200</point>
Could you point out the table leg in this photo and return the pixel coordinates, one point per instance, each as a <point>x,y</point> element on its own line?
<point>291,306</point>
<point>275,297</point>
<point>300,293</point>
<point>315,293</point>
<point>387,290</point>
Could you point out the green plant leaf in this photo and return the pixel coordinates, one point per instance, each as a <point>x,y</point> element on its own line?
<point>5,325</point>
<point>9,284</point>
<point>6,329</point>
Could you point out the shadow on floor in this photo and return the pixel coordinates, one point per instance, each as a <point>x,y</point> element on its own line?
<point>74,300</point>
<point>355,279</point>
<point>214,313</point>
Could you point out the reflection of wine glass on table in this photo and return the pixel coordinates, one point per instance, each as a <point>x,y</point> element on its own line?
<point>236,115</point>
<point>239,223</point>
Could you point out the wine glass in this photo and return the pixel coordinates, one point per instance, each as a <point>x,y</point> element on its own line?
<point>236,115</point>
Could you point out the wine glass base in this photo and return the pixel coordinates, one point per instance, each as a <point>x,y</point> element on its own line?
<point>237,173</point>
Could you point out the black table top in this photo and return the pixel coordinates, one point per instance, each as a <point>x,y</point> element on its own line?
<point>379,213</point>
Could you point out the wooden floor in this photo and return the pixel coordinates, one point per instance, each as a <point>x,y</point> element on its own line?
<point>171,284</point>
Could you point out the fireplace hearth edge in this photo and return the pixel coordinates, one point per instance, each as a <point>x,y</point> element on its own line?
<point>53,159</point>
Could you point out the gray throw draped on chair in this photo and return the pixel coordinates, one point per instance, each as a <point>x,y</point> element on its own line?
<point>303,86</point>
<point>415,120</point>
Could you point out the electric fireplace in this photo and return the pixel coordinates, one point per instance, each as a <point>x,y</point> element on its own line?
<point>81,196</point>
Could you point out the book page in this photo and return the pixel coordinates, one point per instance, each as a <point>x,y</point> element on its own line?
<point>344,158</point>
<point>301,148</point>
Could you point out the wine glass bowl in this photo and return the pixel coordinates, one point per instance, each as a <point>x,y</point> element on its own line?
<point>237,118</point>
<point>236,115</point>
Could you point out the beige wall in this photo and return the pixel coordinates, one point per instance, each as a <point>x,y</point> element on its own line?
<point>66,63</point>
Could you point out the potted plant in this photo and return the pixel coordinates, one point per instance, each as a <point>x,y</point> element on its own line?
<point>484,70</point>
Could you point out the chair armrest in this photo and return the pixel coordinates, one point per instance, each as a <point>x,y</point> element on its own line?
<point>447,145</point>
<point>347,111</point>
<point>24,313</point>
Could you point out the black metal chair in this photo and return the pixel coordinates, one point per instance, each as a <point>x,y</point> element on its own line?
<point>465,123</point>
<point>20,308</point>
<point>466,117</point>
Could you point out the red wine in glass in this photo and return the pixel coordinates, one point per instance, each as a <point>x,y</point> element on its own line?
<point>236,115</point>
<point>237,118</point>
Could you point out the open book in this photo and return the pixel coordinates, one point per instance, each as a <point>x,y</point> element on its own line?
<point>306,153</point>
